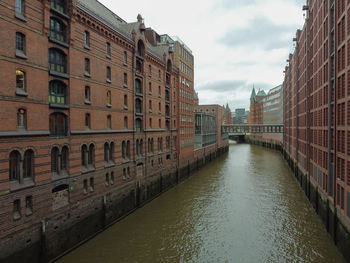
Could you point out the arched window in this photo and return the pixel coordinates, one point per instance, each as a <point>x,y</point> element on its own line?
<point>138,106</point>
<point>137,148</point>
<point>64,158</point>
<point>84,155</point>
<point>21,119</point>
<point>28,164</point>
<point>57,60</point>
<point>15,162</point>
<point>123,149</point>
<point>152,145</point>
<point>57,92</point>
<point>138,125</point>
<point>57,30</point>
<point>111,152</point>
<point>20,80</point>
<point>54,160</point>
<point>58,5</point>
<point>138,86</point>
<point>141,147</point>
<point>106,153</point>
<point>91,157</point>
<point>128,149</point>
<point>58,124</point>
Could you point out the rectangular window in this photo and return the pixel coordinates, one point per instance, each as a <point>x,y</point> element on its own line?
<point>125,58</point>
<point>29,205</point>
<point>108,50</point>
<point>86,39</point>
<point>108,74</point>
<point>20,42</point>
<point>19,7</point>
<point>348,207</point>
<point>87,94</point>
<point>87,67</point>
<point>125,80</point>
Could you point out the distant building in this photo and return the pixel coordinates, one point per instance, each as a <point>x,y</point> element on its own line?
<point>256,107</point>
<point>227,115</point>
<point>239,113</point>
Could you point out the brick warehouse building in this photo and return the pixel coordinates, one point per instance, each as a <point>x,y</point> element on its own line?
<point>317,113</point>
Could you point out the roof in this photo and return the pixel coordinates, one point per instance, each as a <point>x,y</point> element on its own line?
<point>261,93</point>
<point>253,95</point>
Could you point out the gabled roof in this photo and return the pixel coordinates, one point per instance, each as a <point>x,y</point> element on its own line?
<point>261,93</point>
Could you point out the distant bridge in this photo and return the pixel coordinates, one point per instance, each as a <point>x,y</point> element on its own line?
<point>243,129</point>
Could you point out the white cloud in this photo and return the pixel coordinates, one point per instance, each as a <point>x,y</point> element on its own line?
<point>202,25</point>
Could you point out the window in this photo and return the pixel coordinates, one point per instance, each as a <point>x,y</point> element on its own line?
<point>17,209</point>
<point>58,124</point>
<point>108,50</point>
<point>125,80</point>
<point>87,94</point>
<point>150,122</point>
<point>15,162</point>
<point>112,178</point>
<point>107,179</point>
<point>109,98</point>
<point>57,60</point>
<point>167,125</point>
<point>123,149</point>
<point>92,184</point>
<point>54,160</point>
<point>111,152</point>
<point>150,105</point>
<point>125,122</point>
<point>84,155</point>
<point>125,101</point>
<point>85,183</point>
<point>86,39</point>
<point>20,42</point>
<point>28,164</point>
<point>159,107</point>
<point>87,121</point>
<point>19,7</point>
<point>149,70</point>
<point>159,91</point>
<point>57,92</point>
<point>91,155</point>
<point>109,122</point>
<point>150,88</point>
<point>138,106</point>
<point>125,58</point>
<point>58,5</point>
<point>20,80</point>
<point>87,67</point>
<point>64,159</point>
<point>29,205</point>
<point>167,111</point>
<point>140,48</point>
<point>138,125</point>
<point>57,30</point>
<point>106,154</point>
<point>128,149</point>
<point>21,119</point>
<point>160,123</point>
<point>108,74</point>
<point>124,173</point>
<point>138,86</point>
<point>159,74</point>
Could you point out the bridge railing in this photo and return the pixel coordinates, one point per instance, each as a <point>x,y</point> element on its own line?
<point>252,128</point>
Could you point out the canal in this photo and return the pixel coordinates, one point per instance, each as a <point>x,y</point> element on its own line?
<point>245,206</point>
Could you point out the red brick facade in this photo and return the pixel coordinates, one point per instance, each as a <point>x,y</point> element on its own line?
<point>317,102</point>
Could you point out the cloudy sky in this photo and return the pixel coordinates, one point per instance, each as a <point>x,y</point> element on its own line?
<point>236,43</point>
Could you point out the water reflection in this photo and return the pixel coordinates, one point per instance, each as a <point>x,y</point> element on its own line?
<point>243,207</point>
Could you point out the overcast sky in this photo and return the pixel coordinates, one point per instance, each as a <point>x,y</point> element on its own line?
<point>236,43</point>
